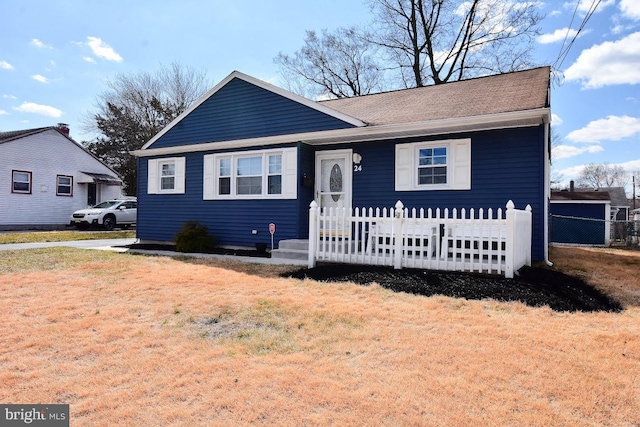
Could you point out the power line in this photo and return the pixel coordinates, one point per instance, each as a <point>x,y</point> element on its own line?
<point>564,51</point>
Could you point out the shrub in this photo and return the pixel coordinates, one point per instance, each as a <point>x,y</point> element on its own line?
<point>194,237</point>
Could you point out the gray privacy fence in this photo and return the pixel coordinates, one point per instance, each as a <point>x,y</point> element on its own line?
<point>593,232</point>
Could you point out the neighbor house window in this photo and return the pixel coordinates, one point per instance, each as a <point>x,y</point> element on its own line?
<point>21,182</point>
<point>434,165</point>
<point>166,175</point>
<point>251,174</point>
<point>64,185</point>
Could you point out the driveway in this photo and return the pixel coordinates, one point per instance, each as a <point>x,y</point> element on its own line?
<point>82,244</point>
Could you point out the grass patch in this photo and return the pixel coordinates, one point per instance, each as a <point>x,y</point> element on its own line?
<point>88,327</point>
<point>63,236</point>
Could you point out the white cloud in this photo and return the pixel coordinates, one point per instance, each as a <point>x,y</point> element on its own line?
<point>7,96</point>
<point>613,128</point>
<point>557,35</point>
<point>556,120</point>
<point>37,43</point>
<point>45,110</point>
<point>41,79</point>
<point>102,50</point>
<point>555,13</point>
<point>630,9</point>
<point>585,6</point>
<point>5,65</point>
<point>3,112</point>
<point>608,63</point>
<point>566,151</point>
<point>89,59</point>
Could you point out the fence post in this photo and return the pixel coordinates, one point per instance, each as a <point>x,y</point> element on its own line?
<point>510,242</point>
<point>397,235</point>
<point>313,232</point>
<point>529,210</point>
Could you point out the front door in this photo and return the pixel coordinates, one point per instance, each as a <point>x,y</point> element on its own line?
<point>333,178</point>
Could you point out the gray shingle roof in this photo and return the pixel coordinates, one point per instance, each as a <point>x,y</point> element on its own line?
<point>617,194</point>
<point>517,91</point>
<point>16,134</point>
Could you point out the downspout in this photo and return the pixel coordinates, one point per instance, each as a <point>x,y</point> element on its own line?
<point>547,188</point>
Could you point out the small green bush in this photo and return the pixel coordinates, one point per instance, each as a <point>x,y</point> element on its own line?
<point>194,237</point>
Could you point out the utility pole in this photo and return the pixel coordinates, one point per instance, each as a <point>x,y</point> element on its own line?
<point>633,180</point>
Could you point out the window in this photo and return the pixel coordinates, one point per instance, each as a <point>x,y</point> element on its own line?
<point>437,165</point>
<point>21,182</point>
<point>432,166</point>
<point>166,176</point>
<point>251,175</point>
<point>64,185</point>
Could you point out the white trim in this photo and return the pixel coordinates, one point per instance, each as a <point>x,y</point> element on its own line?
<point>264,85</point>
<point>154,177</point>
<point>406,165</point>
<point>289,184</point>
<point>581,202</point>
<point>370,133</point>
<point>347,154</point>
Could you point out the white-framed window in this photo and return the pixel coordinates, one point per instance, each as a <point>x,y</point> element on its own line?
<point>434,165</point>
<point>166,176</point>
<point>64,185</point>
<point>21,182</point>
<point>260,174</point>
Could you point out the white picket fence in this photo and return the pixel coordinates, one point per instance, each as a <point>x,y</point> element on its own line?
<point>437,240</point>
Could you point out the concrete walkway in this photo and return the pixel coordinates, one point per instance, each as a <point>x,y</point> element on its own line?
<point>115,245</point>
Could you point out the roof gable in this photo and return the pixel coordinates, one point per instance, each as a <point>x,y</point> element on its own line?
<point>241,107</point>
<point>17,135</point>
<point>502,93</point>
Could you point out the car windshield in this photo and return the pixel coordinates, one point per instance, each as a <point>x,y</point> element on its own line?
<point>105,205</point>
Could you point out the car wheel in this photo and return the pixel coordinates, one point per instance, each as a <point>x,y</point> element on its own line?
<point>109,222</point>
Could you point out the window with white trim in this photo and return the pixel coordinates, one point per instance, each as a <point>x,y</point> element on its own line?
<point>21,182</point>
<point>166,175</point>
<point>435,165</point>
<point>64,185</point>
<point>265,174</point>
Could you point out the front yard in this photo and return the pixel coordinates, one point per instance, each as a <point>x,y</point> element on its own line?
<point>138,340</point>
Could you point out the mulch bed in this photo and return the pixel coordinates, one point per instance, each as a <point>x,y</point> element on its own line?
<point>534,287</point>
<point>218,251</point>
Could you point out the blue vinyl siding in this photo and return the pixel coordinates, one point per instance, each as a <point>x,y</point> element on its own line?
<point>506,164</point>
<point>160,216</point>
<point>241,110</point>
<point>577,231</point>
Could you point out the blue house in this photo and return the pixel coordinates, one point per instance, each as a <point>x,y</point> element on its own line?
<point>581,217</point>
<point>248,154</point>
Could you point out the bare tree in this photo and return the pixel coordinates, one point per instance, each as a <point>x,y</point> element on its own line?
<point>436,41</point>
<point>135,108</point>
<point>333,65</point>
<point>603,175</point>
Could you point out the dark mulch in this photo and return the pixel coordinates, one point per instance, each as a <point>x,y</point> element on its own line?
<point>534,287</point>
<point>219,251</point>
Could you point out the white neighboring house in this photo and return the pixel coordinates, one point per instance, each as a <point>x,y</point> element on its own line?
<point>45,176</point>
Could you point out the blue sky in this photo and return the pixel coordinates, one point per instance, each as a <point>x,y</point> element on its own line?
<point>55,57</point>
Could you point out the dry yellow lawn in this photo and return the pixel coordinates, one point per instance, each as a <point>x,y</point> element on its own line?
<point>152,341</point>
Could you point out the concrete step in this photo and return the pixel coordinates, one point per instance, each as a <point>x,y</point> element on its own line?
<point>294,244</point>
<point>293,254</point>
<point>293,249</point>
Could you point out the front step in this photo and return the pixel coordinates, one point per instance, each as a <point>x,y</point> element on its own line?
<point>294,249</point>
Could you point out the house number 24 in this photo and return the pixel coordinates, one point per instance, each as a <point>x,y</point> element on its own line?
<point>357,168</point>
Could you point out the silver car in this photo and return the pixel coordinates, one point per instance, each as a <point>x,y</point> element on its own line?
<point>107,214</point>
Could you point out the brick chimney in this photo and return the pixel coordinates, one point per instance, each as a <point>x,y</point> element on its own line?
<point>63,128</point>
